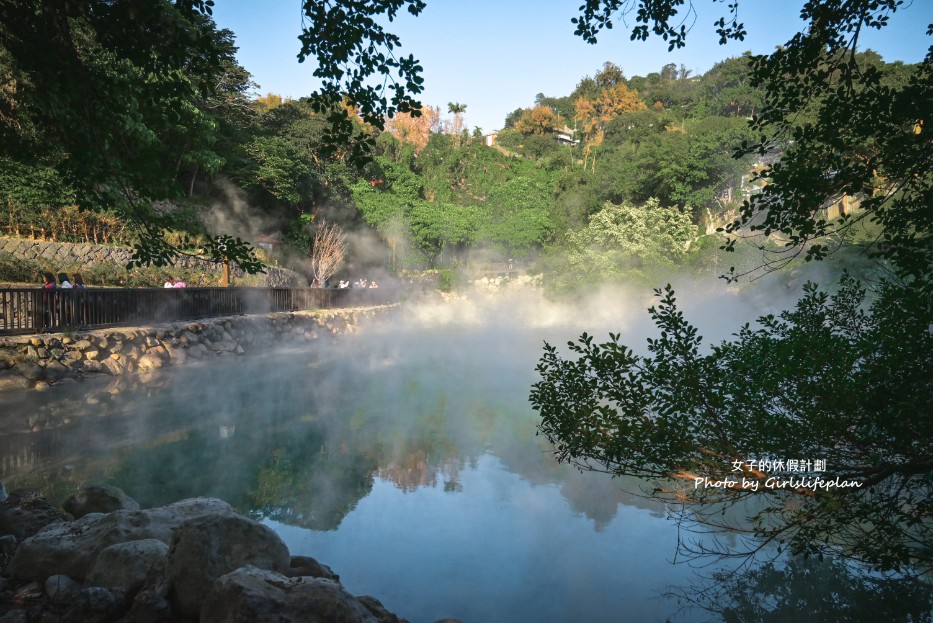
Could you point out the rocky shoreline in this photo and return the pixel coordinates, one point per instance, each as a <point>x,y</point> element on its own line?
<point>41,360</point>
<point>102,559</point>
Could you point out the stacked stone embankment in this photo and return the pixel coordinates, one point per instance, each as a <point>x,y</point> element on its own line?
<point>42,360</point>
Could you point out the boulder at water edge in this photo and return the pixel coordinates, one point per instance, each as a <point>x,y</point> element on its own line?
<point>204,549</point>
<point>259,596</point>
<point>129,566</point>
<point>25,512</point>
<point>98,499</point>
<point>71,548</point>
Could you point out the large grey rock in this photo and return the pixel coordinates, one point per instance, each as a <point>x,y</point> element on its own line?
<point>7,545</point>
<point>72,547</point>
<point>206,548</point>
<point>379,611</point>
<point>98,499</point>
<point>151,605</point>
<point>25,512</point>
<point>260,596</point>
<point>128,566</point>
<point>61,588</point>
<point>55,371</point>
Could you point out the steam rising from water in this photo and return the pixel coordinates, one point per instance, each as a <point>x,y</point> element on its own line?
<point>404,456</point>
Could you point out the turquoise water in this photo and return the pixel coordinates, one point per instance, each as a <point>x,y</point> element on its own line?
<point>404,457</point>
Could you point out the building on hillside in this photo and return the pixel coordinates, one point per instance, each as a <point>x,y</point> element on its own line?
<point>564,136</point>
<point>270,242</point>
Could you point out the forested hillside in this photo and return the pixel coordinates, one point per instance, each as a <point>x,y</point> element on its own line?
<point>114,132</point>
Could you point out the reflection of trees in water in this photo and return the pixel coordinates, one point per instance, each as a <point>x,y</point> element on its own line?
<point>303,454</point>
<point>309,487</point>
<point>805,590</point>
<point>599,498</point>
<point>420,469</point>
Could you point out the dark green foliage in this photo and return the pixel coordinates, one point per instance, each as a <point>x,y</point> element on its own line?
<point>685,166</point>
<point>846,126</point>
<point>351,46</point>
<point>812,591</point>
<point>826,380</point>
<point>661,18</point>
<point>117,102</point>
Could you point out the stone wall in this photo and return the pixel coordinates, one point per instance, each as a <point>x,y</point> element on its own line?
<point>39,361</point>
<point>71,254</point>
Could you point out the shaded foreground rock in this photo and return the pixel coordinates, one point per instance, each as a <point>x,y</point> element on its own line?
<point>204,549</point>
<point>25,512</point>
<point>72,547</point>
<point>260,596</point>
<point>192,560</point>
<point>129,566</point>
<point>98,499</point>
<point>307,566</point>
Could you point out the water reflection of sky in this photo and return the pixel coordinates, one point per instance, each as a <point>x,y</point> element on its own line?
<point>405,458</point>
<point>500,549</point>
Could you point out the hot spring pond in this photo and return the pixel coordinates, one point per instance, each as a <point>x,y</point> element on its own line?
<point>405,458</point>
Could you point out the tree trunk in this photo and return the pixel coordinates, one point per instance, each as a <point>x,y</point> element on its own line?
<point>194,176</point>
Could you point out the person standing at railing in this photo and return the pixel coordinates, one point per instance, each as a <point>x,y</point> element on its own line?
<point>65,302</point>
<point>43,311</point>
<point>170,283</point>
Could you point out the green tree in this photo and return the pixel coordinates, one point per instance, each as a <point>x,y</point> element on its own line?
<point>515,217</point>
<point>825,381</point>
<point>351,46</point>
<point>116,97</point>
<point>442,230</point>
<point>728,89</point>
<point>683,165</point>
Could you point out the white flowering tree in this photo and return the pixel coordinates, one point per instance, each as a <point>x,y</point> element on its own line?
<point>624,240</point>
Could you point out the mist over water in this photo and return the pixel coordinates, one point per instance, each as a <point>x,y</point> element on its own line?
<point>403,456</point>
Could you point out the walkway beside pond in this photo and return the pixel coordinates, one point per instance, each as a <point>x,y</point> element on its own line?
<point>31,310</point>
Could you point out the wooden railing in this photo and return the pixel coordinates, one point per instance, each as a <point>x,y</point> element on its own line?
<point>30,310</point>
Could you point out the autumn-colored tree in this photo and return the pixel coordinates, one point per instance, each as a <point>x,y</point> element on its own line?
<point>538,120</point>
<point>415,130</point>
<point>594,113</point>
<point>270,101</point>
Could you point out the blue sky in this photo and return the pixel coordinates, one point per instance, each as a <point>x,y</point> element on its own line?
<point>495,56</point>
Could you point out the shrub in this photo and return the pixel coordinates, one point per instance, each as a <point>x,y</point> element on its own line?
<point>447,280</point>
<point>18,270</point>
